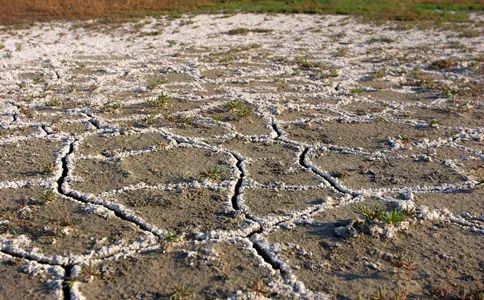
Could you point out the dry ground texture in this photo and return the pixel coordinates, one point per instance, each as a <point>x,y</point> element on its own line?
<point>241,156</point>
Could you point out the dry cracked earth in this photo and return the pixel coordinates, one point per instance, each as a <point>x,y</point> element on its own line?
<point>232,156</point>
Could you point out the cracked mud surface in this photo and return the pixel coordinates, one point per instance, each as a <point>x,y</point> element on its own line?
<point>168,158</point>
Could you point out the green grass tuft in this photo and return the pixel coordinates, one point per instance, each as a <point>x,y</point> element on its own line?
<point>394,217</point>
<point>357,91</point>
<point>155,82</point>
<point>112,107</point>
<point>214,173</point>
<point>182,292</point>
<point>49,196</point>
<point>171,238</point>
<point>239,108</point>
<point>370,212</point>
<point>161,101</point>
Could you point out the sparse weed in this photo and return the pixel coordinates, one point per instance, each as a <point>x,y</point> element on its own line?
<point>65,220</point>
<point>282,85</point>
<point>227,59</point>
<point>408,212</point>
<point>260,289</point>
<point>370,212</point>
<point>9,227</point>
<point>89,271</point>
<point>441,64</point>
<point>49,196</point>
<point>112,107</point>
<point>304,64</point>
<point>155,82</point>
<point>333,72</point>
<point>138,26</point>
<point>474,65</point>
<point>469,33</point>
<point>214,173</point>
<point>186,22</point>
<point>381,40</point>
<point>54,102</point>
<point>90,88</point>
<point>394,217</point>
<point>152,33</point>
<point>171,238</point>
<point>173,15</point>
<point>383,294</point>
<point>405,140</point>
<point>239,108</point>
<point>161,101</point>
<point>457,45</point>
<point>69,282</point>
<point>380,294</point>
<point>247,30</point>
<point>342,52</point>
<point>184,121</point>
<point>37,79</point>
<point>463,293</point>
<point>26,112</point>
<point>150,120</point>
<point>218,119</point>
<point>429,83</point>
<point>339,36</point>
<point>182,292</point>
<point>448,91</point>
<point>238,31</point>
<point>356,91</point>
<point>48,169</point>
<point>434,123</point>
<point>376,212</point>
<point>340,174</point>
<point>404,264</point>
<point>378,74</point>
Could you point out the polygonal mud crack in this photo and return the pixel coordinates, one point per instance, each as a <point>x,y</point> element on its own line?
<point>360,172</point>
<point>223,157</point>
<point>458,202</point>
<point>278,202</point>
<point>182,211</point>
<point>411,263</point>
<point>39,159</point>
<point>369,136</point>
<point>173,165</point>
<point>109,145</point>
<point>21,279</point>
<point>39,220</point>
<point>204,270</point>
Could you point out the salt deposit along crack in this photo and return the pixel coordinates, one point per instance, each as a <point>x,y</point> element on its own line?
<point>238,184</point>
<point>61,182</point>
<point>67,268</point>
<point>234,200</point>
<point>304,161</point>
<point>62,188</point>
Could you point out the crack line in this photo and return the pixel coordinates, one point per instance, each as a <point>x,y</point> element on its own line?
<point>238,185</point>
<point>61,189</point>
<point>303,161</point>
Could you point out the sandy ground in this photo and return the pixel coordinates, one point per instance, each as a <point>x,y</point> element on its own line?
<point>219,156</point>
